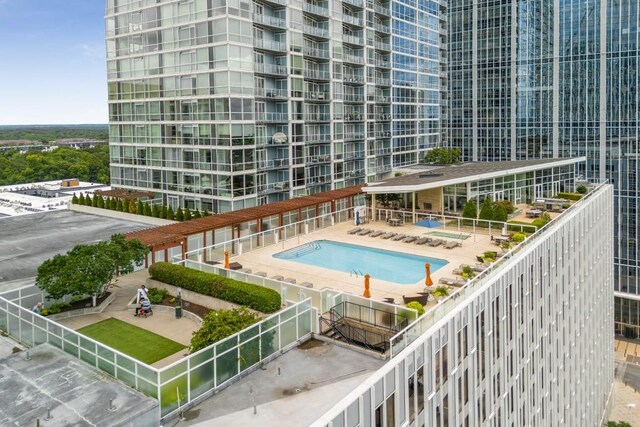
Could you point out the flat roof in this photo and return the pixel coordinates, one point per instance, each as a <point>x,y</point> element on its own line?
<point>439,176</point>
<point>174,233</point>
<point>29,240</point>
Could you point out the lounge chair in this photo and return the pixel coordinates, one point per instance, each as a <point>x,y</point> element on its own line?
<point>261,274</point>
<point>452,282</point>
<point>364,232</point>
<point>452,244</point>
<point>399,237</point>
<point>409,239</point>
<point>307,284</point>
<point>436,242</point>
<point>480,259</point>
<point>458,271</point>
<point>422,241</point>
<point>478,268</point>
<point>245,270</point>
<point>376,233</point>
<point>388,300</point>
<point>388,235</point>
<point>355,230</point>
<point>277,277</point>
<point>290,280</point>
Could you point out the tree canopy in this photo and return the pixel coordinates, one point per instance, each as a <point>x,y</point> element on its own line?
<point>90,164</point>
<point>443,155</point>
<point>89,269</point>
<point>54,132</point>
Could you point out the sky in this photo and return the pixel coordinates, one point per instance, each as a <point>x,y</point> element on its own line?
<point>52,62</point>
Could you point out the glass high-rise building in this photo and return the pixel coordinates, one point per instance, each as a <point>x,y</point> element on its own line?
<point>225,105</point>
<point>536,79</point>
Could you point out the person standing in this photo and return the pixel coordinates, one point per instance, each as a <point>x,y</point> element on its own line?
<point>37,309</point>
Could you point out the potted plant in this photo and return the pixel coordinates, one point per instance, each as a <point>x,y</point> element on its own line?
<point>440,292</point>
<point>416,306</point>
<point>467,272</point>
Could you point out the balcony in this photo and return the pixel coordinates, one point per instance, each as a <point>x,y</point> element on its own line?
<point>356,3</point>
<point>316,74</point>
<point>382,28</point>
<point>270,21</point>
<point>380,169</point>
<point>269,117</point>
<point>315,139</point>
<point>353,59</point>
<point>318,180</point>
<point>315,9</point>
<point>382,81</point>
<point>350,155</point>
<point>353,97</point>
<point>323,158</point>
<point>272,69</point>
<point>379,134</point>
<point>270,45</point>
<point>316,96</point>
<point>384,10</point>
<point>381,117</point>
<point>353,20</point>
<point>317,117</point>
<point>270,93</point>
<point>382,63</point>
<point>353,117</point>
<point>381,99</point>
<point>273,164</point>
<point>273,187</point>
<point>315,52</point>
<point>353,79</point>
<point>382,46</point>
<point>353,136</point>
<point>316,31</point>
<point>351,39</point>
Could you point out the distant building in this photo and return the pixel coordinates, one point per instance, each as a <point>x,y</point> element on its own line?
<point>78,143</point>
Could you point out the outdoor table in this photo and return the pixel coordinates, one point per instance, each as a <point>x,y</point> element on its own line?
<point>534,213</point>
<point>394,222</point>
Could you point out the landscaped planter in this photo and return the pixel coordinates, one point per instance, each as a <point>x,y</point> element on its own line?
<point>83,311</point>
<point>167,309</point>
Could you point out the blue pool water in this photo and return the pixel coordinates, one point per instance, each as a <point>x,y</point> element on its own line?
<point>381,264</point>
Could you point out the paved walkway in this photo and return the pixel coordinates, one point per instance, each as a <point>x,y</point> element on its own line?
<point>161,323</point>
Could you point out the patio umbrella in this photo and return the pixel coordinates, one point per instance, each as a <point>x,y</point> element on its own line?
<point>427,280</point>
<point>226,259</point>
<point>367,292</point>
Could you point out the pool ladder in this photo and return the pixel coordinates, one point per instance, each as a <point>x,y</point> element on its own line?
<point>356,273</point>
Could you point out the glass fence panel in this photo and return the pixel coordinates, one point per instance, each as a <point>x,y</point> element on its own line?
<point>148,388</point>
<point>227,365</point>
<point>88,356</point>
<point>173,393</point>
<point>288,332</point>
<point>269,342</point>
<point>250,353</point>
<point>169,372</point>
<point>204,355</point>
<point>202,379</point>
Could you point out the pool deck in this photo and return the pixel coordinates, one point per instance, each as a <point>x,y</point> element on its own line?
<point>262,259</point>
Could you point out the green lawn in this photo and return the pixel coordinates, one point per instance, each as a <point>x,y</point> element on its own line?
<point>131,340</point>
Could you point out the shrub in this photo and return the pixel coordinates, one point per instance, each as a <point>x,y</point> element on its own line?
<point>545,218</point>
<point>147,209</point>
<point>140,208</point>
<point>470,211</point>
<point>187,214</point>
<point>88,201</point>
<point>440,291</point>
<point>569,196</point>
<point>507,205</point>
<point>74,199</point>
<point>257,297</point>
<point>100,202</point>
<point>417,307</point>
<point>155,211</point>
<point>582,189</point>
<point>205,213</point>
<point>163,212</point>
<point>196,214</point>
<point>156,295</point>
<point>119,206</point>
<point>179,215</point>
<point>132,207</point>
<point>467,272</point>
<point>94,203</point>
<point>499,214</point>
<point>220,324</point>
<point>81,199</point>
<point>519,237</point>
<point>566,205</point>
<point>170,214</point>
<point>486,212</point>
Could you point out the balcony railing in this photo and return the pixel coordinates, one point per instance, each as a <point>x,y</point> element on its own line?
<point>353,78</point>
<point>315,9</point>
<point>314,51</point>
<point>316,31</point>
<point>280,70</point>
<point>316,96</point>
<point>272,21</point>
<point>273,187</point>
<point>270,45</point>
<point>353,97</point>
<point>382,81</point>
<point>348,38</point>
<point>381,63</point>
<point>317,139</point>
<point>270,93</point>
<point>353,136</point>
<point>316,74</point>
<point>382,46</point>
<point>322,158</point>
<point>353,117</point>
<point>351,19</point>
<point>271,117</point>
<point>317,117</point>
<point>378,8</point>
<point>381,27</point>
<point>357,3</point>
<point>273,164</point>
<point>354,59</point>
<point>354,155</point>
<point>379,116</point>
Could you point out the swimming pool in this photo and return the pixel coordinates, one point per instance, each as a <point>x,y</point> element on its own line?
<point>381,264</point>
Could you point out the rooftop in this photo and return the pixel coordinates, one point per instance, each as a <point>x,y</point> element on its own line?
<point>438,176</point>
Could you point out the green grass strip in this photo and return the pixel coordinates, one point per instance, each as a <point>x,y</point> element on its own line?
<point>133,341</point>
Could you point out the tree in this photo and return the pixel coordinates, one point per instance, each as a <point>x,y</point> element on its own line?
<point>470,211</point>
<point>507,205</point>
<point>113,204</point>
<point>88,201</point>
<point>443,156</point>
<point>163,212</point>
<point>89,269</point>
<point>486,211</point>
<point>100,201</point>
<point>206,212</point>
<point>119,205</point>
<point>179,215</point>
<point>140,208</point>
<point>94,202</point>
<point>74,199</point>
<point>187,214</point>
<point>81,199</point>
<point>196,214</point>
<point>499,214</point>
<point>582,189</point>
<point>132,206</point>
<point>147,209</point>
<point>155,211</point>
<point>170,215</point>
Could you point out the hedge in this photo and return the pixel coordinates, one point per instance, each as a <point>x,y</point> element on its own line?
<point>569,196</point>
<point>256,297</point>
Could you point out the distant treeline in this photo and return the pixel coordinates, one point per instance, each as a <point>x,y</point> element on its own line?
<point>89,164</point>
<point>54,132</point>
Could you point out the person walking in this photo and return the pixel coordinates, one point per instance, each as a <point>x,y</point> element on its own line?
<point>37,309</point>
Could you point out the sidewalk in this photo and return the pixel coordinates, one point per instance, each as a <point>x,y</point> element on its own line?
<point>161,323</point>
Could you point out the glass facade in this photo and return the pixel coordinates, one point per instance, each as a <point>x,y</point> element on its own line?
<point>538,79</point>
<point>228,105</point>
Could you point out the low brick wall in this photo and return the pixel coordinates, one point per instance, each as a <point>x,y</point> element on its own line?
<point>120,215</point>
<point>81,312</point>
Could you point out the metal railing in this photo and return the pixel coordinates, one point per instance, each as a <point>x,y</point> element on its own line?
<point>421,325</point>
